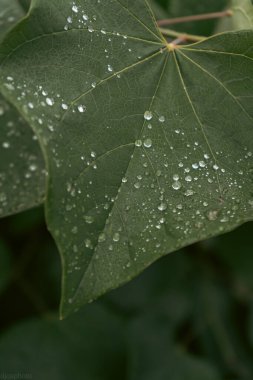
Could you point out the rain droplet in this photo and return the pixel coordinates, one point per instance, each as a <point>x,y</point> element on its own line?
<point>162,207</point>
<point>212,215</point>
<point>138,143</point>
<point>188,178</point>
<point>101,238</point>
<point>176,185</point>
<point>49,101</point>
<point>75,9</point>
<point>147,143</point>
<point>81,108</point>
<point>116,237</point>
<point>148,115</point>
<point>6,145</point>
<point>89,219</point>
<point>64,106</point>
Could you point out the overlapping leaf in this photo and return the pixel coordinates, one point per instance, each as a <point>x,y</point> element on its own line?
<point>22,168</point>
<point>149,147</point>
<point>242,16</point>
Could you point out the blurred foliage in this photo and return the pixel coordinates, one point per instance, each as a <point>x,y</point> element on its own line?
<point>188,317</point>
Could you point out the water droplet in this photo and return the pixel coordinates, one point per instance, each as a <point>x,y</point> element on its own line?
<point>81,108</point>
<point>189,192</point>
<point>102,238</point>
<point>212,215</point>
<point>176,185</point>
<point>147,143</point>
<point>116,237</point>
<point>6,145</point>
<point>162,206</point>
<point>49,101</point>
<point>33,167</point>
<point>89,219</point>
<point>109,68</point>
<point>138,143</point>
<point>64,106</point>
<point>188,178</point>
<point>162,119</point>
<point>137,185</point>
<point>75,9</point>
<point>148,115</point>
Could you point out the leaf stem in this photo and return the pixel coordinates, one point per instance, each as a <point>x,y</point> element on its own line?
<point>204,16</point>
<point>182,36</point>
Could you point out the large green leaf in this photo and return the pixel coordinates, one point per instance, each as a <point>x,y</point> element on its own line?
<point>149,148</point>
<point>22,168</point>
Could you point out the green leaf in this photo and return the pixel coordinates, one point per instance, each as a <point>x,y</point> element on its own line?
<point>22,168</point>
<point>154,356</point>
<point>149,148</point>
<point>5,266</point>
<point>22,173</point>
<point>25,4</point>
<point>10,13</point>
<point>242,17</point>
<point>89,346</point>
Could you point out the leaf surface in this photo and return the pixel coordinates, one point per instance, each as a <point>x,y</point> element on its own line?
<point>22,167</point>
<point>149,148</point>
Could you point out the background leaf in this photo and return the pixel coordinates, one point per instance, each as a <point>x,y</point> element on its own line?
<point>92,339</point>
<point>242,17</point>
<point>5,266</point>
<point>173,318</point>
<point>126,185</point>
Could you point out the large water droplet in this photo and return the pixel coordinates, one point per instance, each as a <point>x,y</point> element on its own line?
<point>176,185</point>
<point>147,143</point>
<point>148,115</point>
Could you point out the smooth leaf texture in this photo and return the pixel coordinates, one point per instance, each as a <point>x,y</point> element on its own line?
<point>22,168</point>
<point>5,266</point>
<point>10,12</point>
<point>89,346</point>
<point>149,148</point>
